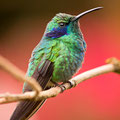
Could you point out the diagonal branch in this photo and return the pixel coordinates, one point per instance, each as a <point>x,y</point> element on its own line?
<point>112,66</point>
<point>18,74</point>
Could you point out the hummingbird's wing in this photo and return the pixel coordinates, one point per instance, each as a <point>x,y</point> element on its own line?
<point>26,109</point>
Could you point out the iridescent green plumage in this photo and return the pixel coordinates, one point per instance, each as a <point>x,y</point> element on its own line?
<point>55,59</point>
<point>66,52</point>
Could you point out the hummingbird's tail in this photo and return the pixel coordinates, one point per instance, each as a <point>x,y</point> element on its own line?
<point>27,108</point>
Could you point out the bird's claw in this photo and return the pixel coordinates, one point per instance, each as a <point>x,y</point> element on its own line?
<point>62,88</point>
<point>72,83</point>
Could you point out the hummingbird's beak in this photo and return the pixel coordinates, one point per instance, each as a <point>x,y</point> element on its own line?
<point>84,13</point>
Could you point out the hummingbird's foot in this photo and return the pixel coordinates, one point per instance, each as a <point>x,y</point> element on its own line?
<point>72,83</point>
<point>60,85</point>
<point>62,88</point>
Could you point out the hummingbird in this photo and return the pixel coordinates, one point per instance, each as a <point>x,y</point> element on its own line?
<point>56,58</point>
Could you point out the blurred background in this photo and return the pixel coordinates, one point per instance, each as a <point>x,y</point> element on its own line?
<point>22,24</point>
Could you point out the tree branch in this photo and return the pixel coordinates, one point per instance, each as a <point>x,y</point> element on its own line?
<point>18,74</point>
<point>113,65</point>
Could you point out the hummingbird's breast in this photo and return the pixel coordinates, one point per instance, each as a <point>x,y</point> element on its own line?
<point>69,59</point>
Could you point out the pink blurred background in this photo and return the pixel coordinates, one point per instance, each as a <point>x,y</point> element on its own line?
<point>21,27</point>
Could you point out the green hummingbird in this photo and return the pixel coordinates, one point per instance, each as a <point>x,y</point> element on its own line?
<point>55,59</point>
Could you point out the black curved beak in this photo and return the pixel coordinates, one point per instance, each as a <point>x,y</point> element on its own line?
<point>84,13</point>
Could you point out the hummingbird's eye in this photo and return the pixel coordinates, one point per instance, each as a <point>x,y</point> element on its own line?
<point>62,24</point>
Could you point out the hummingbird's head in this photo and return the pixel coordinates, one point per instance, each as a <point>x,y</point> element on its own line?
<point>64,24</point>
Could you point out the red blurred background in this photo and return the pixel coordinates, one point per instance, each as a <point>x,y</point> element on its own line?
<point>22,24</point>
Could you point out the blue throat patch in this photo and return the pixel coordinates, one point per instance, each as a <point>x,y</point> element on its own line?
<point>57,32</point>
